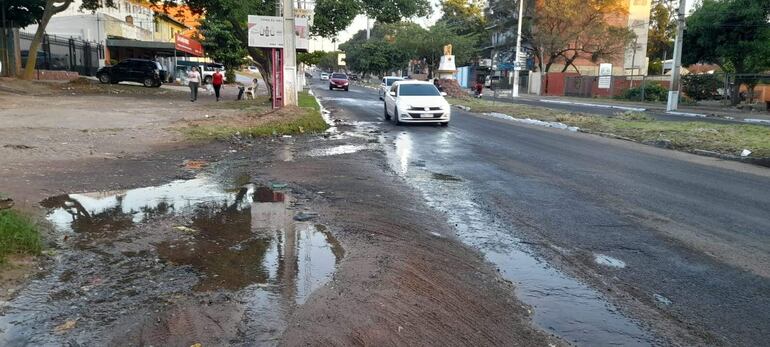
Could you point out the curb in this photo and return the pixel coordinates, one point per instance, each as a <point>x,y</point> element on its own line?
<point>687,114</point>
<point>624,108</point>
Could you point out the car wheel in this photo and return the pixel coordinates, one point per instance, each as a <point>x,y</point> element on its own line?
<point>158,83</point>
<point>385,112</point>
<point>148,82</point>
<point>444,124</point>
<point>395,116</point>
<point>331,88</point>
<point>346,89</point>
<point>104,78</point>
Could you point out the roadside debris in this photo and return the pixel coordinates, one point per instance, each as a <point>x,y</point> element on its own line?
<point>65,327</point>
<point>195,164</point>
<point>185,229</point>
<point>745,153</point>
<point>19,146</point>
<point>6,203</point>
<point>305,216</point>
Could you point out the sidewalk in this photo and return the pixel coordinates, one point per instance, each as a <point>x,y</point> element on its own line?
<point>686,111</point>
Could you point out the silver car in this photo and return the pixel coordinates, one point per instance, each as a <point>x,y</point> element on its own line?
<point>387,82</point>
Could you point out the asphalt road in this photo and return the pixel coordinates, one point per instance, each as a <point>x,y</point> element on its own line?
<point>692,233</point>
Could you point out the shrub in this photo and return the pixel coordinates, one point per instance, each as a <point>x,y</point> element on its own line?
<point>652,92</point>
<point>701,87</point>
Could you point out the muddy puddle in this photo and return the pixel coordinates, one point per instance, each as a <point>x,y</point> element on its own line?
<point>188,262</point>
<point>561,304</point>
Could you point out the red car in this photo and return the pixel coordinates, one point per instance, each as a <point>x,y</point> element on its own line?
<point>339,81</point>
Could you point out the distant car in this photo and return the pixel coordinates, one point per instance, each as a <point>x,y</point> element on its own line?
<point>324,76</point>
<point>253,69</point>
<point>147,72</point>
<point>416,102</point>
<point>387,82</point>
<point>339,81</point>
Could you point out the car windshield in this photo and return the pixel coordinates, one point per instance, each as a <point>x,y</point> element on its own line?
<point>418,90</point>
<point>340,76</point>
<point>389,81</point>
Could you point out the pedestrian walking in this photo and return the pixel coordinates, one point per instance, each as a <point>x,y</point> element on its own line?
<point>193,80</point>
<point>216,81</point>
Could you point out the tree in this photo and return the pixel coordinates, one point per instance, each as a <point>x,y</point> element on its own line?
<point>733,34</point>
<point>328,61</point>
<point>222,45</point>
<point>51,8</point>
<point>21,13</point>
<point>566,30</point>
<point>333,16</point>
<point>660,37</point>
<point>464,16</point>
<point>428,45</point>
<point>310,58</point>
<point>375,57</point>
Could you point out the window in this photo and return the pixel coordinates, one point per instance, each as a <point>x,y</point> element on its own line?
<point>389,81</point>
<point>418,90</point>
<point>339,76</point>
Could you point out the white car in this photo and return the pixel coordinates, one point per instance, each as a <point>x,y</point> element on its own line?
<point>387,82</point>
<point>416,102</point>
<point>324,76</point>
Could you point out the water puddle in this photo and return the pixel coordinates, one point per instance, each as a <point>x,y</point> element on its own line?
<point>337,150</point>
<point>353,101</point>
<point>562,305</point>
<point>127,255</point>
<point>606,260</point>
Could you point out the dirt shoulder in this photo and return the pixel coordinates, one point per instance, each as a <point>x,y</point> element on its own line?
<point>403,279</point>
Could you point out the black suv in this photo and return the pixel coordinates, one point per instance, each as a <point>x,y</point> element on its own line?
<point>147,72</point>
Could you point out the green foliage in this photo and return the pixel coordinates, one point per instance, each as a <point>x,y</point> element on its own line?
<point>701,87</point>
<point>652,92</point>
<point>328,62</point>
<point>222,45</point>
<point>655,67</point>
<point>428,45</point>
<point>333,16</point>
<point>729,32</point>
<point>18,234</point>
<point>21,13</point>
<point>310,58</point>
<point>660,38</point>
<point>375,57</point>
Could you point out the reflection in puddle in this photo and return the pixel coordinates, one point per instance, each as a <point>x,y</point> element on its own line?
<point>159,242</point>
<point>562,305</point>
<point>606,260</point>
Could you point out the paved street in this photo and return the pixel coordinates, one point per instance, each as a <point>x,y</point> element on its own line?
<point>679,243</point>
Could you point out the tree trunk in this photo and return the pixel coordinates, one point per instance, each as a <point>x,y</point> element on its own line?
<point>29,69</point>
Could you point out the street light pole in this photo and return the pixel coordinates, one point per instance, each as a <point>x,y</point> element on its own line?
<point>4,61</point>
<point>517,64</point>
<point>289,56</point>
<point>673,93</point>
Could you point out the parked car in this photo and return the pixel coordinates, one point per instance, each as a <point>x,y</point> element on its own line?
<point>324,76</point>
<point>416,102</point>
<point>147,72</point>
<point>339,81</point>
<point>253,69</point>
<point>387,82</point>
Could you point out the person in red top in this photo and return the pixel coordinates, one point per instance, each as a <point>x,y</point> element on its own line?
<point>216,81</point>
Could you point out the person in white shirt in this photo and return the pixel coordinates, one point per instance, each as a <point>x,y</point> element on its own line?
<point>193,80</point>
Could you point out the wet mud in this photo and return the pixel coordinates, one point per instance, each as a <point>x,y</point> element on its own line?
<point>192,261</point>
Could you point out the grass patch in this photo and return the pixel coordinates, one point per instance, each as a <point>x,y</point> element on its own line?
<point>684,135</point>
<point>18,235</point>
<point>265,122</point>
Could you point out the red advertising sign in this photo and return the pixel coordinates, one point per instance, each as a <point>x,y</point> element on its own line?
<point>188,45</point>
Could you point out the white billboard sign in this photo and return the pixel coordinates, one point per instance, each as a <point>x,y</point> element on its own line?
<point>302,33</point>
<point>605,75</point>
<point>265,31</point>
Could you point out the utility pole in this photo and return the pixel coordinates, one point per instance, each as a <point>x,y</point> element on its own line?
<point>368,34</point>
<point>4,61</point>
<point>289,55</point>
<point>518,63</point>
<point>673,93</point>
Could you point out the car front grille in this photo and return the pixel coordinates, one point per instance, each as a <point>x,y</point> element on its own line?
<point>423,109</point>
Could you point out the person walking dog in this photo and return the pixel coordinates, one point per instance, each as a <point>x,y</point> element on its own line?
<point>216,81</point>
<point>193,80</point>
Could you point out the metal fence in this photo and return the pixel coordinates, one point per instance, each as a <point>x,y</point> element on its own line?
<point>67,54</point>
